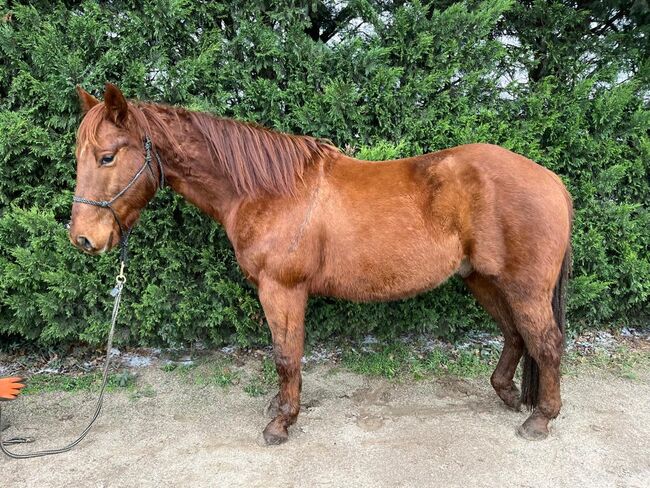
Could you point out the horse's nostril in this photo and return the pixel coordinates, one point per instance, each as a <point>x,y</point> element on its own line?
<point>85,243</point>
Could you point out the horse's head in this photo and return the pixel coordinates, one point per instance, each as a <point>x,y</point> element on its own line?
<point>115,175</point>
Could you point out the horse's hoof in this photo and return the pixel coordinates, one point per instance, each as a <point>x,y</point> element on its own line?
<point>275,434</point>
<point>535,428</point>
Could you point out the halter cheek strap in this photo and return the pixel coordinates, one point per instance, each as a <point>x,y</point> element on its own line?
<point>124,231</point>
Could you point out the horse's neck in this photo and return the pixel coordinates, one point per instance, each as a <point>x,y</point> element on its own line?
<point>195,177</point>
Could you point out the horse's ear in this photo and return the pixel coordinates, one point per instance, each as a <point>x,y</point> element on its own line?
<point>86,100</point>
<point>116,104</point>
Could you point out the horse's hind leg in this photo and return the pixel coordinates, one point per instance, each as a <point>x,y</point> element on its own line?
<point>285,312</point>
<point>543,340</point>
<point>490,297</point>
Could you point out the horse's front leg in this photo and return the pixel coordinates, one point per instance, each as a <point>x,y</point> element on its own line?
<point>284,308</point>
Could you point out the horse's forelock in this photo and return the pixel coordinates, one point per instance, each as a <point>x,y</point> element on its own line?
<point>142,120</point>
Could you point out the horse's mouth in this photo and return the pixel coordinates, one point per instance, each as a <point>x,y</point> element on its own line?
<point>95,251</point>
<point>109,243</point>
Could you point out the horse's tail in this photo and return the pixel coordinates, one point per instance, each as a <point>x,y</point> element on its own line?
<point>530,376</point>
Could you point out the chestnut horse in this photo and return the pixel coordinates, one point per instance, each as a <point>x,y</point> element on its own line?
<point>304,219</point>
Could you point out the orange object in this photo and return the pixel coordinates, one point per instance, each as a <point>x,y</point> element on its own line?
<point>10,388</point>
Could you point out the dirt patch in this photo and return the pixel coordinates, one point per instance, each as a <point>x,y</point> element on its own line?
<point>353,431</point>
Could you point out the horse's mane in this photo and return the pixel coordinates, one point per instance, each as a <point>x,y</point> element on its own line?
<point>257,160</point>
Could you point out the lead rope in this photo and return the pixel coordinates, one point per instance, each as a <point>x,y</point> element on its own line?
<point>120,280</point>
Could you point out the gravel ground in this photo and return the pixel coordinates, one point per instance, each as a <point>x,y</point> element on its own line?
<point>353,431</point>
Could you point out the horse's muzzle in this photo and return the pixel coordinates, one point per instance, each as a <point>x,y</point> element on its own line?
<point>85,244</point>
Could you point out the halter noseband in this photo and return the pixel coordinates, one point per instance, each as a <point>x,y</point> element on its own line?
<point>124,232</point>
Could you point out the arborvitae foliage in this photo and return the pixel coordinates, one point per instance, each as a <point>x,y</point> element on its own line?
<point>564,83</point>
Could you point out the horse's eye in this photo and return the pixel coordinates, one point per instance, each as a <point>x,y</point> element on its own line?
<point>107,159</point>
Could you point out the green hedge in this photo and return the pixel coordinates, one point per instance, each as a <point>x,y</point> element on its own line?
<point>381,79</point>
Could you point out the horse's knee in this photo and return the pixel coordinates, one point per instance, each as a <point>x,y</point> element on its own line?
<point>286,365</point>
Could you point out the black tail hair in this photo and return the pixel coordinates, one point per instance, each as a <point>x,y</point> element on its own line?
<point>530,376</point>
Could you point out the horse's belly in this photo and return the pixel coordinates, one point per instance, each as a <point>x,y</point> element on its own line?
<point>371,271</point>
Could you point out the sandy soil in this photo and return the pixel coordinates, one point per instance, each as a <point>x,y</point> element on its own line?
<point>353,431</point>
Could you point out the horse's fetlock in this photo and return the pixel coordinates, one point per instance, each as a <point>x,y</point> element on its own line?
<point>549,409</point>
<point>499,383</point>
